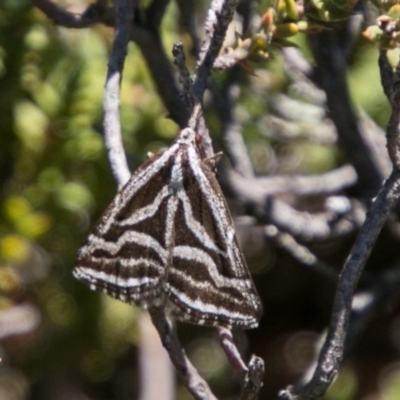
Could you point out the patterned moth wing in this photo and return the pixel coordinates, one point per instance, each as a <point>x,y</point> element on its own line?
<point>125,256</point>
<point>168,239</point>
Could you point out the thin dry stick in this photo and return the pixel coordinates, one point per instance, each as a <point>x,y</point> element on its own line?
<point>219,17</point>
<point>184,75</point>
<point>251,375</point>
<point>112,125</point>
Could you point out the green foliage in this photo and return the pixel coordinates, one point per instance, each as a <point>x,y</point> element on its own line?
<point>344,386</point>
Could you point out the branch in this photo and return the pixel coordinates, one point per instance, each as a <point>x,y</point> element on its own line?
<point>251,375</point>
<point>219,17</point>
<point>184,75</point>
<point>391,85</point>
<point>159,65</point>
<point>111,123</point>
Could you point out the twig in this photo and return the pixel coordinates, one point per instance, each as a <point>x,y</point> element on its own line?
<point>219,17</point>
<point>391,85</point>
<point>184,75</point>
<point>253,381</point>
<point>231,351</point>
<point>251,375</point>
<point>149,41</point>
<point>112,125</point>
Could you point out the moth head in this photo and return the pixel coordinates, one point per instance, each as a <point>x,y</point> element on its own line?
<point>187,136</point>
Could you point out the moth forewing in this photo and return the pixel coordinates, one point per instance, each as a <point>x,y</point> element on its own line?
<point>209,281</point>
<point>119,257</point>
<point>168,239</point>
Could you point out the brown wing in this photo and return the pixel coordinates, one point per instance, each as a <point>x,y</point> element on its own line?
<point>126,254</point>
<point>208,281</point>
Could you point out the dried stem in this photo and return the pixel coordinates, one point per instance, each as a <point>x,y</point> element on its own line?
<point>184,75</point>
<point>251,375</point>
<point>219,17</point>
<point>112,125</point>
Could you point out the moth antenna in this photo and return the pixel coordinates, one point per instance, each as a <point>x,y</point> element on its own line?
<point>214,160</point>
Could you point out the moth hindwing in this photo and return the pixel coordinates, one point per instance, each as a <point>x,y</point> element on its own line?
<point>168,239</point>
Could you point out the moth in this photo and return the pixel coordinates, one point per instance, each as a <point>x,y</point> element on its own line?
<point>168,240</point>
